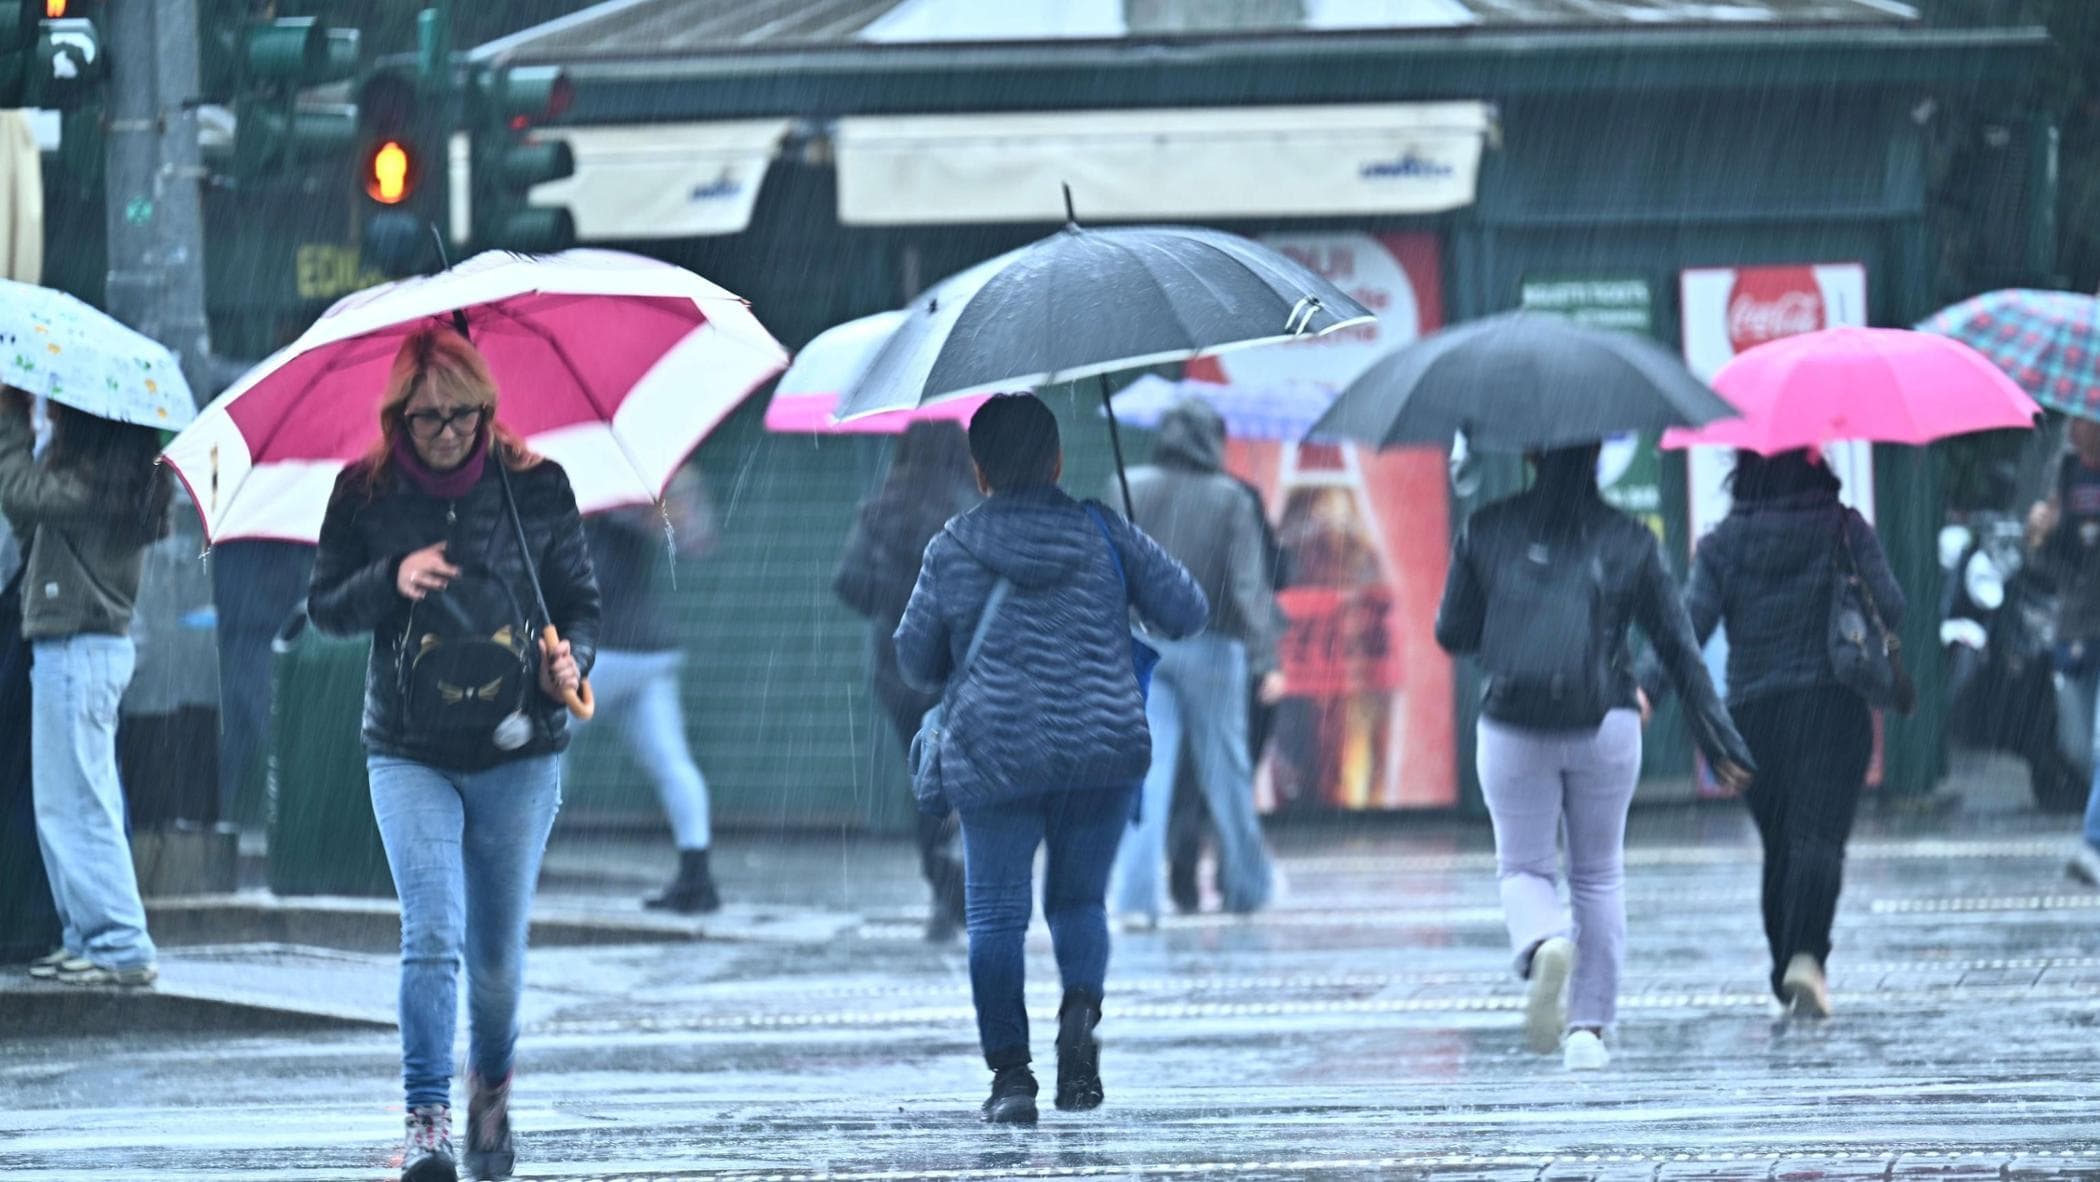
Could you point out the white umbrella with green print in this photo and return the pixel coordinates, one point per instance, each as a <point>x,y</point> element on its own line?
<point>54,345</point>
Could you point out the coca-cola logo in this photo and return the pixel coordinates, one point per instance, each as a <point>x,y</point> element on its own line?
<point>1768,303</point>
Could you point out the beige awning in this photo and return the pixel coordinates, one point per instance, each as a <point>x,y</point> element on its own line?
<point>21,201</point>
<point>663,180</point>
<point>1213,163</point>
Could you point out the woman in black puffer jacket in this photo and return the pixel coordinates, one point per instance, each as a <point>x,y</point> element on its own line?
<point>1768,572</point>
<point>463,711</point>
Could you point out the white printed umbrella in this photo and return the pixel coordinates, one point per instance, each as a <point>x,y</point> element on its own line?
<point>61,348</point>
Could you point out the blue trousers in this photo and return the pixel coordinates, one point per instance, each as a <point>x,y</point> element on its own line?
<point>75,685</point>
<point>1080,827</point>
<point>465,850</point>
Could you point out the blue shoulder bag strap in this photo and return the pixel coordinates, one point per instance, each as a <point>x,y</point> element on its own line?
<point>1000,590</point>
<point>1143,657</point>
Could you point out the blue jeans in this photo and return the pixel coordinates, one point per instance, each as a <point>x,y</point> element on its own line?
<point>2092,800</point>
<point>465,851</point>
<point>1081,828</point>
<point>75,685</point>
<point>1199,691</point>
<point>641,690</point>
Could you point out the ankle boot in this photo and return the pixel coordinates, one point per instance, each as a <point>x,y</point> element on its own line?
<point>692,892</point>
<point>1013,1096</point>
<point>1078,1053</point>
<point>491,1153</point>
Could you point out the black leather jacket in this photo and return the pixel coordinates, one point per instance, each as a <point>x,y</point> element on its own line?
<point>1638,589</point>
<point>372,525</point>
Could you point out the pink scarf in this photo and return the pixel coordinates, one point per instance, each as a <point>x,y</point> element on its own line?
<point>446,486</point>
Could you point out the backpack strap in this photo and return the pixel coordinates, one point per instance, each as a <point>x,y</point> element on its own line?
<point>1115,555</point>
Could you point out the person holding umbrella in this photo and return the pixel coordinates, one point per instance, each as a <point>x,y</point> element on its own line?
<point>85,514</point>
<point>2064,534</point>
<point>434,544</point>
<point>1542,589</point>
<point>1021,619</point>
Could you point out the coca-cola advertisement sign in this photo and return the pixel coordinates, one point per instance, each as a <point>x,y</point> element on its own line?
<point>1768,303</point>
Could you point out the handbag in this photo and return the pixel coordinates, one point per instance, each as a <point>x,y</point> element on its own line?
<point>1865,655</point>
<point>1143,657</point>
<point>925,754</point>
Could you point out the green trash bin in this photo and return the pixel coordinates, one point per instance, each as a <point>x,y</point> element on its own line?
<point>323,840</point>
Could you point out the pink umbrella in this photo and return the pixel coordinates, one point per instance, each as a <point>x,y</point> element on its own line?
<point>808,395</point>
<point>1882,385</point>
<point>613,365</point>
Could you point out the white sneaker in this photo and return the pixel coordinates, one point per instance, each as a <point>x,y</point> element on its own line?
<point>1139,923</point>
<point>1807,990</point>
<point>1546,1009</point>
<point>2085,865</point>
<point>1584,1052</point>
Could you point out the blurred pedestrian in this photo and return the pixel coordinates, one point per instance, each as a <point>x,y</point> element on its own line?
<point>1205,521</point>
<point>2064,533</point>
<point>930,481</point>
<point>1768,574</point>
<point>1542,588</point>
<point>1189,823</point>
<point>637,668</point>
<point>84,514</point>
<point>1021,616</point>
<point>463,720</point>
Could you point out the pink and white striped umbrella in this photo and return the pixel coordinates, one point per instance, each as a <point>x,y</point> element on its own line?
<point>807,400</point>
<point>613,365</point>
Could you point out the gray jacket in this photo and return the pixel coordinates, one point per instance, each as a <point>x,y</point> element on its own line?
<point>85,557</point>
<point>1204,518</point>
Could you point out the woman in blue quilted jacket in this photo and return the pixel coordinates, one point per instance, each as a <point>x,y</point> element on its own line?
<point>1044,739</point>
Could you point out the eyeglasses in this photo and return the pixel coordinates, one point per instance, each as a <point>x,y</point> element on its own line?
<point>429,424</point>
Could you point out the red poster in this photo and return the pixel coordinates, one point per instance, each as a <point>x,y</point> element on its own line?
<point>1370,720</point>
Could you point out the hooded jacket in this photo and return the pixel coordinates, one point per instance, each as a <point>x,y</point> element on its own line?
<point>1207,522</point>
<point>375,522</point>
<point>1769,572</point>
<point>1051,702</point>
<point>84,561</point>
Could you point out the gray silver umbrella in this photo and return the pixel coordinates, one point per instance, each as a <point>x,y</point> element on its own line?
<point>1084,303</point>
<point>1520,382</point>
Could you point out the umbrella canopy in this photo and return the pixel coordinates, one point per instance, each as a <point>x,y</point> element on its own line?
<point>806,401</point>
<point>1520,382</point>
<point>1882,385</point>
<point>1085,302</point>
<point>613,365</point>
<point>1283,411</point>
<point>54,345</point>
<point>2048,341</point>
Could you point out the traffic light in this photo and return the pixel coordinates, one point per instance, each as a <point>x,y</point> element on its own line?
<point>400,190</point>
<point>50,54</point>
<point>263,65</point>
<point>507,162</point>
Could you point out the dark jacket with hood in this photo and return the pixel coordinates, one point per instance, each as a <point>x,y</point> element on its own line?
<point>1051,702</point>
<point>1769,572</point>
<point>375,522</point>
<point>1207,521</point>
<point>1637,589</point>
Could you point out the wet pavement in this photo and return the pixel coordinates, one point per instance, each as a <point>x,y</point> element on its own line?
<point>1365,1027</point>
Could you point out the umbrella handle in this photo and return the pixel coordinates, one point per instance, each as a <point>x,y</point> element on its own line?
<point>581,702</point>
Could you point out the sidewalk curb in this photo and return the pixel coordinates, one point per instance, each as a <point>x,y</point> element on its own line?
<point>36,1009</point>
<point>374,925</point>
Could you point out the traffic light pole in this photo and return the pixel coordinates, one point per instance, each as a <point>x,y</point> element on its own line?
<point>155,218</point>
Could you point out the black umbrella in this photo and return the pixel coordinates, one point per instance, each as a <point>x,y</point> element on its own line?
<point>1085,303</point>
<point>1520,382</point>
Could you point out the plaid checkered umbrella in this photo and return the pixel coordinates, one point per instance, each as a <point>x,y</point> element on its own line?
<point>2048,341</point>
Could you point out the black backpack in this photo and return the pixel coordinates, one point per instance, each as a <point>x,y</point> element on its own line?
<point>467,664</point>
<point>1543,643</point>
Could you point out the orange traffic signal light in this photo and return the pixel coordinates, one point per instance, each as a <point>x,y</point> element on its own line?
<point>55,9</point>
<point>390,173</point>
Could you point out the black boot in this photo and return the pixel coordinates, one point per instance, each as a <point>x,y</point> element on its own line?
<point>1013,1096</point>
<point>1078,1053</point>
<point>692,892</point>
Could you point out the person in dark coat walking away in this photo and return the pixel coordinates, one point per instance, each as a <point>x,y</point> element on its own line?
<point>929,482</point>
<point>1542,589</point>
<point>636,674</point>
<point>84,515</point>
<point>1044,737</point>
<point>419,543</point>
<point>1204,519</point>
<point>1768,573</point>
<point>2064,534</point>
